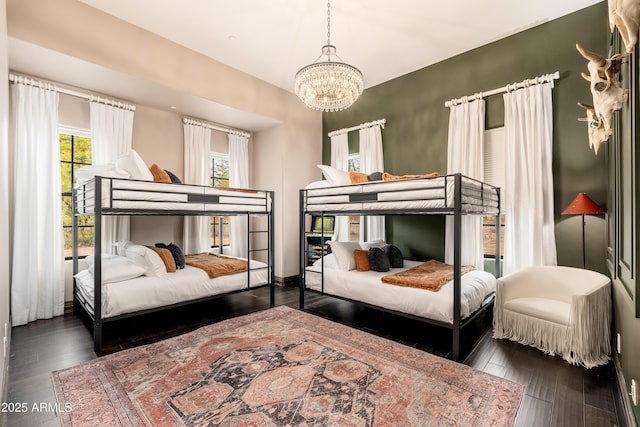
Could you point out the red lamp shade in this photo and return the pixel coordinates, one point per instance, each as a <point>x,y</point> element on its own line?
<point>583,205</point>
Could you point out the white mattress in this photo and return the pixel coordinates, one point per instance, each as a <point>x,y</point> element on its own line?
<point>129,194</point>
<point>426,193</point>
<point>367,287</point>
<point>147,292</point>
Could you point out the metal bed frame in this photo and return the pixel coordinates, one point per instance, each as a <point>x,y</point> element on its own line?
<point>456,211</point>
<point>93,206</point>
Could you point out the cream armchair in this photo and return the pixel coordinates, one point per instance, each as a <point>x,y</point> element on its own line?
<point>559,310</point>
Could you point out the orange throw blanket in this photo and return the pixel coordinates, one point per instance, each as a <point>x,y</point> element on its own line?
<point>430,275</point>
<point>216,265</point>
<point>388,177</point>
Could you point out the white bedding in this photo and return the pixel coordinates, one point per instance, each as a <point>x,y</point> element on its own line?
<point>426,193</point>
<point>367,287</point>
<point>132,194</point>
<point>147,292</point>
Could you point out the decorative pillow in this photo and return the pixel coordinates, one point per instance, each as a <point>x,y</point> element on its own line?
<point>362,259</point>
<point>358,177</point>
<point>159,175</point>
<point>335,176</point>
<point>329,261</point>
<point>375,176</point>
<point>116,268</point>
<point>135,166</point>
<point>146,256</point>
<point>173,177</point>
<point>396,260</point>
<point>378,260</point>
<point>166,257</point>
<point>176,252</point>
<point>344,254</point>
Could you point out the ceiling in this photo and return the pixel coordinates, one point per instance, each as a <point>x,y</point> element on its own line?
<point>273,39</point>
<point>385,39</point>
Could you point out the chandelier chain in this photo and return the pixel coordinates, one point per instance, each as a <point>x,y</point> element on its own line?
<point>328,22</point>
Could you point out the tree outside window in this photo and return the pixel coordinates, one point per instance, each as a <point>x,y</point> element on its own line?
<point>75,152</point>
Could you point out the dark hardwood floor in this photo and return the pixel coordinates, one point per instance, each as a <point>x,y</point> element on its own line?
<point>556,394</point>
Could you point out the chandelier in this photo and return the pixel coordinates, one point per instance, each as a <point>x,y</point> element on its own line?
<point>329,84</point>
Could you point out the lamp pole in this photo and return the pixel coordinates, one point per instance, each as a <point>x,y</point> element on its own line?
<point>584,244</point>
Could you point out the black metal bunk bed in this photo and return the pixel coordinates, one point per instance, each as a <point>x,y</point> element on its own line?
<point>446,191</point>
<point>123,197</point>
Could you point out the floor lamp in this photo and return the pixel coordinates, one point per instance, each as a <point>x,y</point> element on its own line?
<point>583,205</point>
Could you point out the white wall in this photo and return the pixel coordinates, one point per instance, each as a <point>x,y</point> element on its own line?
<point>4,198</point>
<point>284,157</point>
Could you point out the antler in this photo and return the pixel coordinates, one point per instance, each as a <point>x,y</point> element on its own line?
<point>600,61</point>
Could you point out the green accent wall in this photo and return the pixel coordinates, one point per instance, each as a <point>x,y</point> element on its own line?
<point>415,136</point>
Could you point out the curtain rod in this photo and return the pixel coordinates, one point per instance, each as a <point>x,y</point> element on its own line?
<point>232,131</point>
<point>380,122</point>
<point>537,80</point>
<point>14,78</point>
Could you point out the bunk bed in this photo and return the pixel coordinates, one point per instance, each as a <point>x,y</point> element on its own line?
<point>454,195</point>
<point>109,196</point>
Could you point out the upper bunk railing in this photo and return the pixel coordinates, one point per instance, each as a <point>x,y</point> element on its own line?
<point>118,196</point>
<point>433,195</point>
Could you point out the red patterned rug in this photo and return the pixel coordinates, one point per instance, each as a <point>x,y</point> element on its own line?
<point>281,367</point>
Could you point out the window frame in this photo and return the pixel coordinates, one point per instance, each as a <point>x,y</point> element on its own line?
<point>489,222</point>
<point>81,133</point>
<point>215,220</point>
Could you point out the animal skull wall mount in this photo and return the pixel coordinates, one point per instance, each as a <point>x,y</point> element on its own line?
<point>625,15</point>
<point>597,132</point>
<point>608,94</point>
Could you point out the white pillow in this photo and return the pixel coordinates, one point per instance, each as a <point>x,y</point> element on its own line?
<point>344,254</point>
<point>329,261</point>
<point>335,176</point>
<point>373,244</point>
<point>318,184</point>
<point>116,268</point>
<point>135,166</point>
<point>121,247</point>
<point>148,257</point>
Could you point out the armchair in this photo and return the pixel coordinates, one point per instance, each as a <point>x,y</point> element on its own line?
<point>559,310</point>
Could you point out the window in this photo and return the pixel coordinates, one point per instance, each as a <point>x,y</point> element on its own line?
<point>494,174</point>
<point>75,152</point>
<point>354,220</point>
<point>219,178</point>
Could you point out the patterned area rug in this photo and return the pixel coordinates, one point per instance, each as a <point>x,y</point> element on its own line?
<point>281,367</point>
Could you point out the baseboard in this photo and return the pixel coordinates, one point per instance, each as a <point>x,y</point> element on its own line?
<point>288,281</point>
<point>5,367</point>
<point>623,394</point>
<point>68,308</point>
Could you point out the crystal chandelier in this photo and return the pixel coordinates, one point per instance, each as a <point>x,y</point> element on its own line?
<point>329,84</point>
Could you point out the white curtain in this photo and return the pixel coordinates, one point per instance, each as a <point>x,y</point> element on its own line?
<point>38,243</point>
<point>197,153</point>
<point>371,160</point>
<point>465,155</point>
<point>238,178</point>
<point>340,160</point>
<point>529,222</point>
<point>111,134</point>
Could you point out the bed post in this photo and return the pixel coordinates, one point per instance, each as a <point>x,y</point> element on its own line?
<point>271,257</point>
<point>498,225</point>
<point>301,230</point>
<point>97,266</point>
<point>457,239</point>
